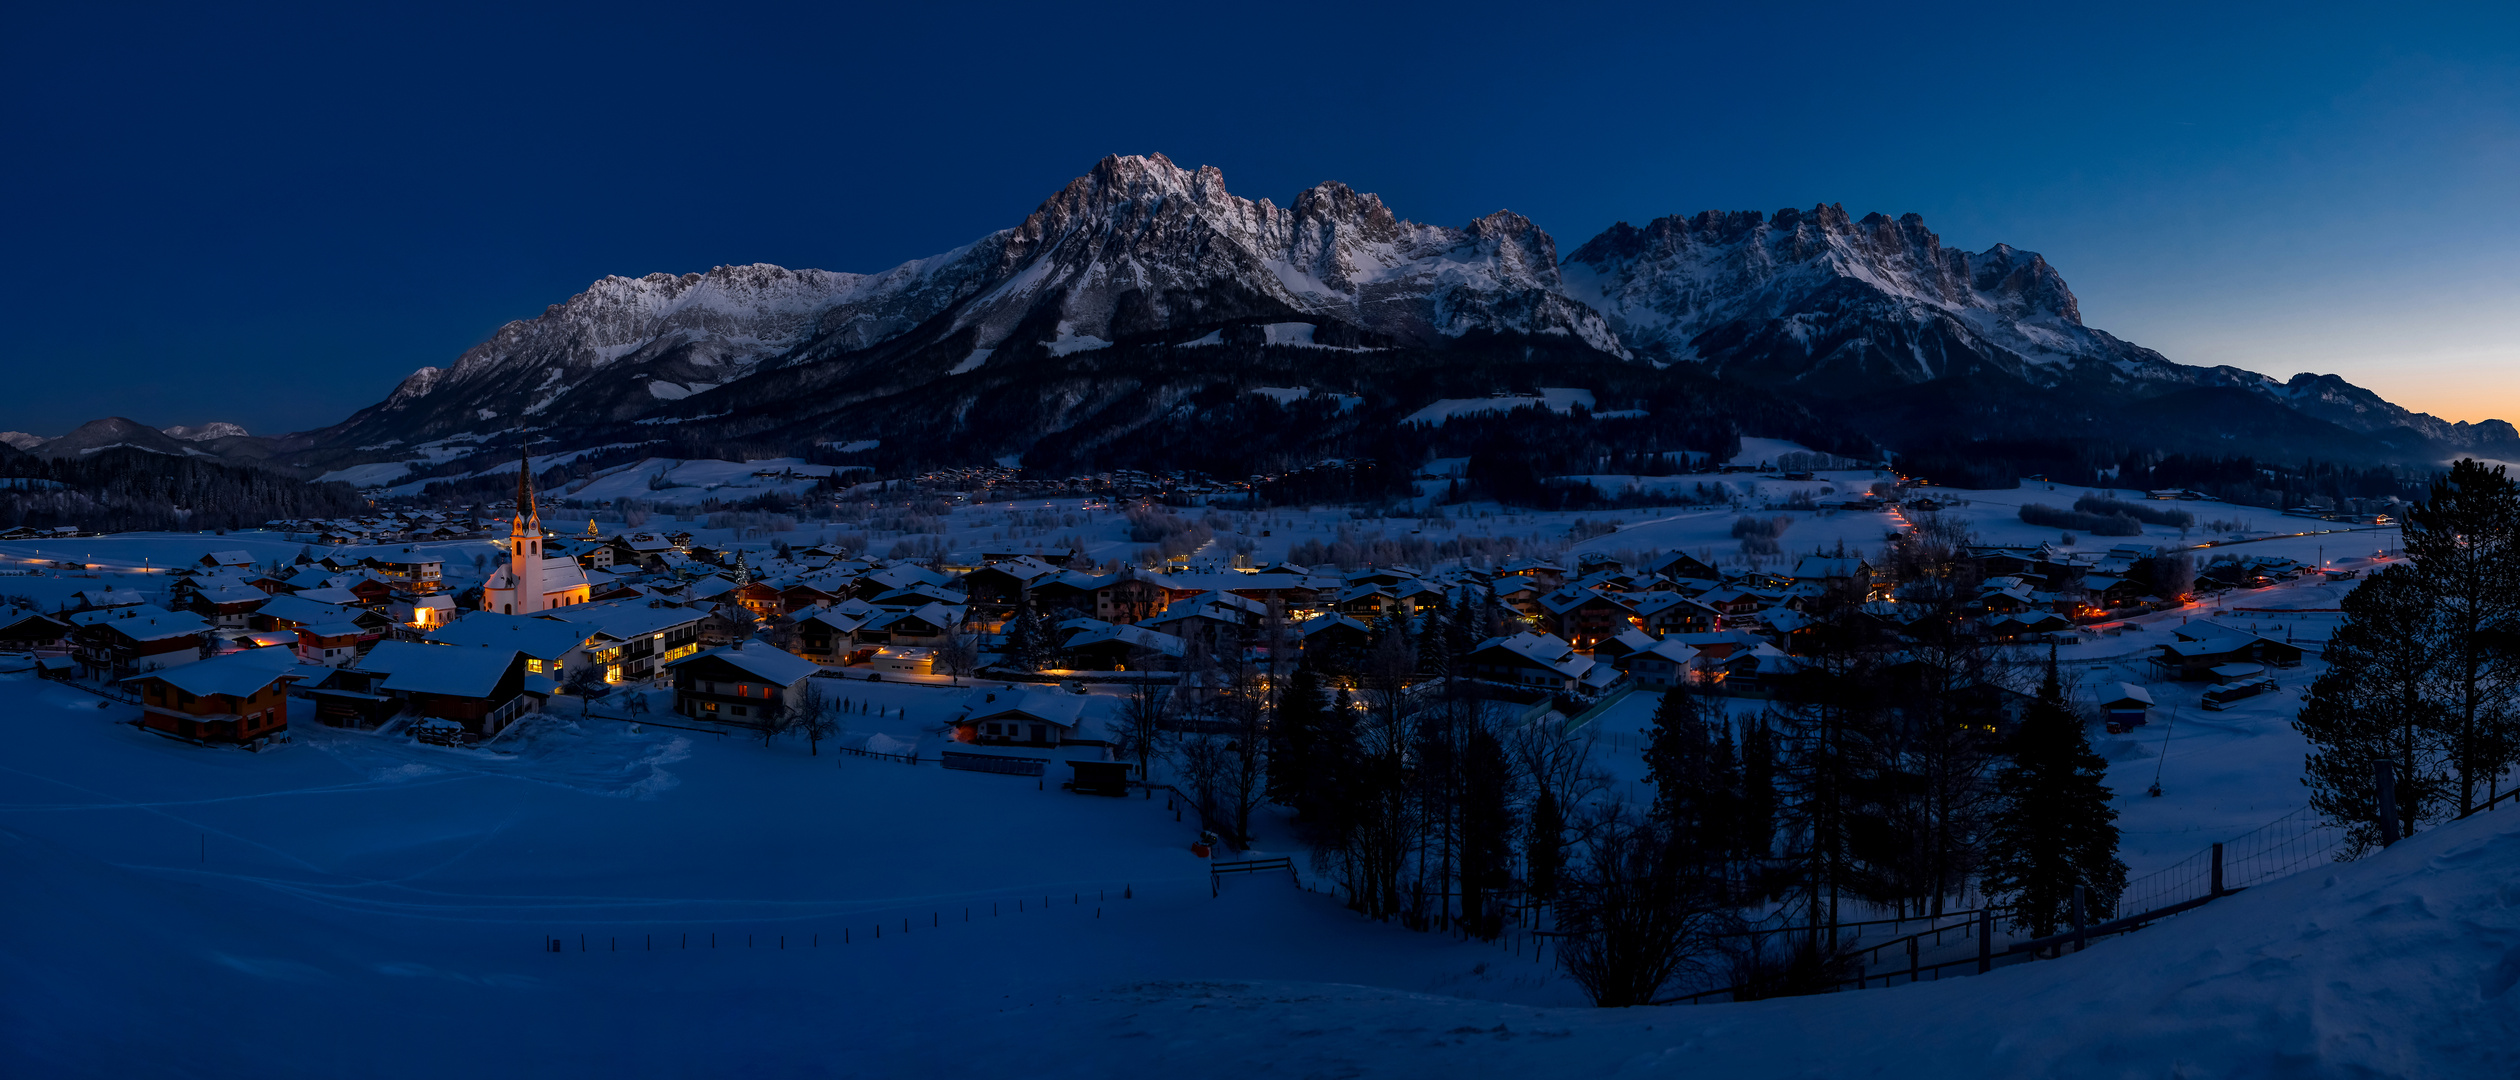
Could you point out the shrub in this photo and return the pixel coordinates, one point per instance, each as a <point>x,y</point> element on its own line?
<point>2150,515</point>
<point>2095,524</point>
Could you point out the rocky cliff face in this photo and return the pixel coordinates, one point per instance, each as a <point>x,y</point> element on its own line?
<point>626,346</point>
<point>1817,298</point>
<point>1140,245</point>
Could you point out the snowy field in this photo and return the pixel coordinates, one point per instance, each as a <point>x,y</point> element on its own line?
<point>357,903</point>
<point>351,903</point>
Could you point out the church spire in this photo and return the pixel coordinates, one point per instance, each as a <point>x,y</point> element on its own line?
<point>526,514</point>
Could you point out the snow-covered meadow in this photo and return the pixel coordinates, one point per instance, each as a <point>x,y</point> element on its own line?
<point>355,902</point>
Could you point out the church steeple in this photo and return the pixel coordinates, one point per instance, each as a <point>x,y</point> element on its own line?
<point>525,558</point>
<point>526,514</point>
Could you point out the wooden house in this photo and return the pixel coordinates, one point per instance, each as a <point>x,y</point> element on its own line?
<point>123,640</point>
<point>235,698</point>
<point>484,689</point>
<point>1006,716</point>
<point>1531,659</point>
<point>28,630</point>
<point>745,683</point>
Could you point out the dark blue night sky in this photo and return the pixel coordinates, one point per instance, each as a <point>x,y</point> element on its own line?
<point>271,217</point>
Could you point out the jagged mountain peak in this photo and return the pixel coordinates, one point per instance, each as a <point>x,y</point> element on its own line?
<point>1808,294</point>
<point>1140,243</point>
<point>216,429</point>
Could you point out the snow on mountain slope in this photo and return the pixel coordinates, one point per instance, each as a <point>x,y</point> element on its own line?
<point>216,429</point>
<point>1813,294</point>
<point>1141,244</point>
<point>626,345</point>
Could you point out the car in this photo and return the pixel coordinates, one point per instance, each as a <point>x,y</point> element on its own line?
<point>1076,686</point>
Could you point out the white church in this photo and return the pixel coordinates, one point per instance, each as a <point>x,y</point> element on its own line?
<point>532,581</point>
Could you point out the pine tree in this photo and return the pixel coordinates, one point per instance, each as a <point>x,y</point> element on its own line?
<point>1296,744</point>
<point>1544,845</point>
<point>2054,828</point>
<point>2379,699</point>
<point>1679,763</point>
<point>1027,640</point>
<point>1435,652</point>
<point>2464,541</point>
<point>1754,823</point>
<point>1487,828</point>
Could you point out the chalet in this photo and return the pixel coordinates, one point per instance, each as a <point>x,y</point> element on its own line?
<point>1678,565</point>
<point>1068,590</point>
<point>1668,663</point>
<point>1585,616</point>
<point>95,599</point>
<point>1366,602</point>
<point>1758,671</point>
<point>1333,633</point>
<point>926,626</point>
<point>120,641</point>
<point>644,550</point>
<point>549,646</point>
<point>422,612</point>
<point>828,637</point>
<point>235,698</point>
<point>408,569</point>
<point>896,578</point>
<point>994,590</point>
<point>759,597</point>
<point>2024,623</point>
<point>1518,592</point>
<point>1209,614</point>
<point>748,684</point>
<point>1027,717</point>
<point>483,689</point>
<point>1834,573</point>
<point>239,560</point>
<point>226,604</point>
<point>296,610</point>
<point>1672,613</point>
<point>1530,659</point>
<point>802,595</point>
<point>1100,646</point>
<point>28,630</point>
<point>2195,659</point>
<point>1127,599</point>
<point>331,644</point>
<point>1547,575</point>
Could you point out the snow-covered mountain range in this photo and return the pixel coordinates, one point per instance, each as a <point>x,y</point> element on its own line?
<point>1140,253</point>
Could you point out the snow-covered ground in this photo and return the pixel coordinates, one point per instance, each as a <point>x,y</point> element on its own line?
<point>357,903</point>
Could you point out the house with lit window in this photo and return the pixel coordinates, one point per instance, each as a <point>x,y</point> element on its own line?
<point>631,639</point>
<point>236,698</point>
<point>408,569</point>
<point>1007,716</point>
<point>549,646</point>
<point>745,683</point>
<point>122,640</point>
<point>1534,659</point>
<point>482,689</point>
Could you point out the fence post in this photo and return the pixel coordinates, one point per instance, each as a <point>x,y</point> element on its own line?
<point>2218,880</point>
<point>2078,918</point>
<point>1986,939</point>
<point>2384,778</point>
